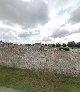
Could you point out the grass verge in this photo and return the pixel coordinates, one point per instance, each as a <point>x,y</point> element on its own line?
<point>24,80</point>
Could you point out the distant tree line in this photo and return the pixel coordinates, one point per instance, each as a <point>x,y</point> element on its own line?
<point>71,44</point>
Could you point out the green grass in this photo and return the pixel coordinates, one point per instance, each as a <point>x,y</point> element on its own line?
<point>37,81</point>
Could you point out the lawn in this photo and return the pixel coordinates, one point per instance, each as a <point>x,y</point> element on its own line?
<point>24,80</point>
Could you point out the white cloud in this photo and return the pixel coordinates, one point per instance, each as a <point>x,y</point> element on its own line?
<point>74,37</point>
<point>27,14</point>
<point>30,21</point>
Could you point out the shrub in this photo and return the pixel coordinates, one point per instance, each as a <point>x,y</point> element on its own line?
<point>64,48</point>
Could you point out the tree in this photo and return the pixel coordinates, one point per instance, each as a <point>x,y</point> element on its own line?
<point>29,44</point>
<point>78,45</point>
<point>58,45</point>
<point>45,44</point>
<point>49,45</point>
<point>64,45</point>
<point>53,45</point>
<point>71,44</point>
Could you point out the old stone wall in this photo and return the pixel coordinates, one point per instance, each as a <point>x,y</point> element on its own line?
<point>50,59</point>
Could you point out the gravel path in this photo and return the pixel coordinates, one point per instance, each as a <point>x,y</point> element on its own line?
<point>3,89</point>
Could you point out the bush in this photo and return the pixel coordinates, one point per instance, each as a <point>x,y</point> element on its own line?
<point>66,48</point>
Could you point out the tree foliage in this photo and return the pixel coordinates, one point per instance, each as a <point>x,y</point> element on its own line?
<point>58,45</point>
<point>64,45</point>
<point>71,44</point>
<point>53,45</point>
<point>78,45</point>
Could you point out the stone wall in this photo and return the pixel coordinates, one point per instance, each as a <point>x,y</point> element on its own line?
<point>50,59</point>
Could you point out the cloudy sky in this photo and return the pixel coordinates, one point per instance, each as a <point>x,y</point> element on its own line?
<point>46,21</point>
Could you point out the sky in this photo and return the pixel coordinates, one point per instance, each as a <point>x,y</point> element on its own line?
<point>45,21</point>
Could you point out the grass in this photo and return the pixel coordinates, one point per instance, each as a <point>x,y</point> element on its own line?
<point>37,81</point>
